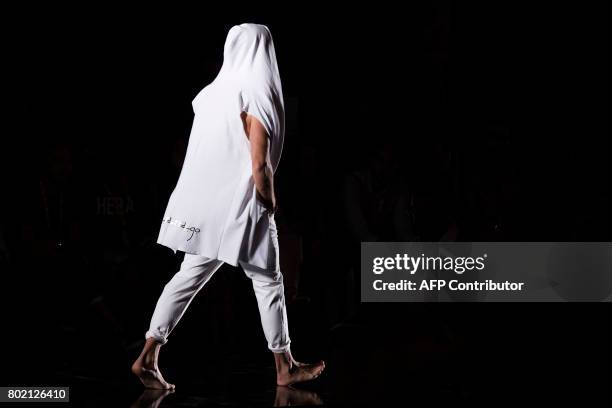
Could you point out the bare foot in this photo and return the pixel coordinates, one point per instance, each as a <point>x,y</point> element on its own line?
<point>300,372</point>
<point>297,363</point>
<point>150,377</point>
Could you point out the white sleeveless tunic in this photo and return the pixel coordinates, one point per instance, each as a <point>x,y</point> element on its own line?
<point>213,210</point>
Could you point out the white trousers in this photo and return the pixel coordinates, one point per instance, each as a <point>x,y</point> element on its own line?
<point>194,272</point>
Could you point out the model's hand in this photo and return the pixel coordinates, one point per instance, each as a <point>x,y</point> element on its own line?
<point>269,204</point>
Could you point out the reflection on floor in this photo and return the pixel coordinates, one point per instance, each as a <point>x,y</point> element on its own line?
<point>234,380</point>
<point>252,387</point>
<point>390,355</point>
<point>362,368</point>
<point>284,397</point>
<point>93,393</point>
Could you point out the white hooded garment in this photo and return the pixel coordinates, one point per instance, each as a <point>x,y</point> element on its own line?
<point>213,210</point>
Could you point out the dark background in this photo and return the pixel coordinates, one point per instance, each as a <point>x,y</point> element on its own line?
<point>480,118</point>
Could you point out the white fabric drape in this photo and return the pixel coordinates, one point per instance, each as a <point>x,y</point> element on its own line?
<point>213,210</point>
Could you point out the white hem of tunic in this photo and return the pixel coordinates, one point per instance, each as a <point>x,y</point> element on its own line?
<point>209,256</point>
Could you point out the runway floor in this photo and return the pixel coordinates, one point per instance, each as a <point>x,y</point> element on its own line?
<point>362,368</point>
<point>373,361</point>
<point>248,384</point>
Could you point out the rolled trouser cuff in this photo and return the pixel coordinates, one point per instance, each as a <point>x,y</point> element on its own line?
<point>158,337</point>
<point>280,349</point>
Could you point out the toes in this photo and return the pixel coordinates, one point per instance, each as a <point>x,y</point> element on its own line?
<point>316,373</point>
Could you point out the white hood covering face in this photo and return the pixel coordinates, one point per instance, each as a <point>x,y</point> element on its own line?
<point>213,210</point>
<point>249,58</point>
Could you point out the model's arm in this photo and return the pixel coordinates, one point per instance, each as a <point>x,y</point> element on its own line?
<point>263,176</point>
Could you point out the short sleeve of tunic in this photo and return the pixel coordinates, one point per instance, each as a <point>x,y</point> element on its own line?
<point>256,107</point>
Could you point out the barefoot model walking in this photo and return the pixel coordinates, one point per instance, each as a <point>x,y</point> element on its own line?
<point>222,208</point>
